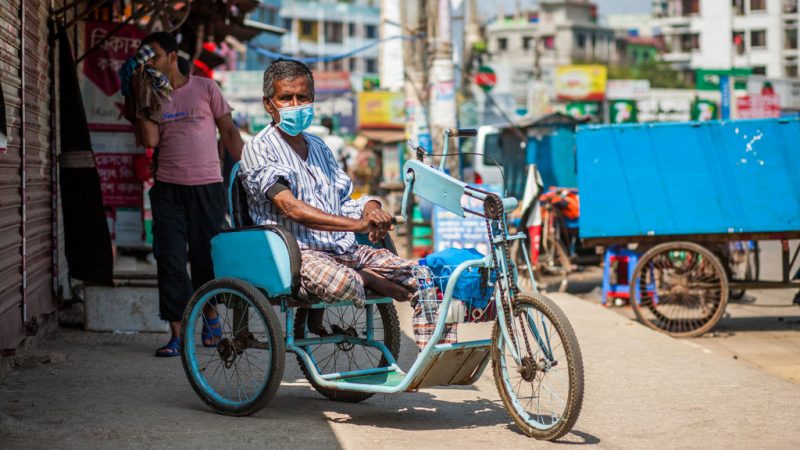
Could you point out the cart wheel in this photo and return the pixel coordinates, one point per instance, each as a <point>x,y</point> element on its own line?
<point>679,288</point>
<point>345,357</point>
<point>543,392</point>
<point>241,373</point>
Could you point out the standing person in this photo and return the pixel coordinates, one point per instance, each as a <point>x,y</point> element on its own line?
<point>188,198</point>
<point>292,179</point>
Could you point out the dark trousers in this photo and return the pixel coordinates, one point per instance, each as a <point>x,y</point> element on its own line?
<point>185,218</point>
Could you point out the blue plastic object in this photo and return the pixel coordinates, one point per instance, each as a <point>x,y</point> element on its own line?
<point>718,177</point>
<point>257,256</point>
<point>620,289</point>
<point>470,287</point>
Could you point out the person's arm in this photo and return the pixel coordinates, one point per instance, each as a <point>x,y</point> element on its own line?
<point>231,138</point>
<point>147,131</point>
<point>310,217</point>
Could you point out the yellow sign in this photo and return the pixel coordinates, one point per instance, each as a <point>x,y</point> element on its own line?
<point>377,109</point>
<point>581,82</point>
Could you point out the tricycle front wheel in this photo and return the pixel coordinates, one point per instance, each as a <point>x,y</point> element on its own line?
<point>543,391</point>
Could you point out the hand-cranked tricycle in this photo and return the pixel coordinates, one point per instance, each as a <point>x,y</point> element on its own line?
<point>535,355</point>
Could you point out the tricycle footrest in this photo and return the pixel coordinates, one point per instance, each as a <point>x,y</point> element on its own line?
<point>454,364</point>
<point>379,378</point>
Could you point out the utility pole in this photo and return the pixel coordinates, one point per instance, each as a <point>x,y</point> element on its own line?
<point>442,80</point>
<point>413,19</point>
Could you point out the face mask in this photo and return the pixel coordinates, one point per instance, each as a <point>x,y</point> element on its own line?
<point>295,119</point>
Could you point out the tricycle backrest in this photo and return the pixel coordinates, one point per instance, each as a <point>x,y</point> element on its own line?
<point>237,201</point>
<point>267,257</point>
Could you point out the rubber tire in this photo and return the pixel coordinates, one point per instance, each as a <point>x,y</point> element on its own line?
<point>392,336</point>
<point>574,362</point>
<point>275,334</point>
<point>691,246</point>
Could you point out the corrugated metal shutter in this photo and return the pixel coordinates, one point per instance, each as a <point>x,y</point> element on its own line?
<point>11,329</point>
<point>38,161</point>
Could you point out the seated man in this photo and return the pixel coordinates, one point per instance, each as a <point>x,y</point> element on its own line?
<point>293,179</point>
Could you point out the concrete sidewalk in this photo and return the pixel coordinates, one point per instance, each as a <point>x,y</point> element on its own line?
<point>643,389</point>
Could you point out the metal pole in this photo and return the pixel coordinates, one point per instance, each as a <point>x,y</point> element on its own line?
<point>443,101</point>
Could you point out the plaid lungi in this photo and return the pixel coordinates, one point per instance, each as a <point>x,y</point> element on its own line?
<point>333,277</point>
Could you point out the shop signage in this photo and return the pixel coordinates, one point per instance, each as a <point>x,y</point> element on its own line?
<point>381,110</point>
<point>581,82</point>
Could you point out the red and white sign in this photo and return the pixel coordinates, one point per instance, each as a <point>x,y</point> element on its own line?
<point>331,82</point>
<point>99,81</point>
<point>758,106</point>
<point>118,181</point>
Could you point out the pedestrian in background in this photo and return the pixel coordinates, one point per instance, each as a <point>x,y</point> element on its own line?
<point>188,197</point>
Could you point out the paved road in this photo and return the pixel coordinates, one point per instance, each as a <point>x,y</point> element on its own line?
<point>643,389</point>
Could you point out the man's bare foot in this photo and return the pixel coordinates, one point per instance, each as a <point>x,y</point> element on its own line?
<point>385,286</point>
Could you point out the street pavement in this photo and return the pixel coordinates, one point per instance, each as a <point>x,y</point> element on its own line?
<point>643,390</point>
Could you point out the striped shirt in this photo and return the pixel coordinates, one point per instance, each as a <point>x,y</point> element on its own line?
<point>317,181</point>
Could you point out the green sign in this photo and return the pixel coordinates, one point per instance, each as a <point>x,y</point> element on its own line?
<point>583,110</point>
<point>703,110</point>
<point>708,80</point>
<point>622,111</point>
<point>371,82</point>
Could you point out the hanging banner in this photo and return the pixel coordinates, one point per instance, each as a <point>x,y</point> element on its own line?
<point>99,79</point>
<point>581,82</point>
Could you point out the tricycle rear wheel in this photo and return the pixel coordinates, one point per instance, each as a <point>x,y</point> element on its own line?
<point>348,357</point>
<point>239,373</point>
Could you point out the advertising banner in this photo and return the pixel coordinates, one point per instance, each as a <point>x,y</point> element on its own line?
<point>385,110</point>
<point>584,110</point>
<point>758,106</point>
<point>581,82</point>
<point>99,79</point>
<point>622,111</point>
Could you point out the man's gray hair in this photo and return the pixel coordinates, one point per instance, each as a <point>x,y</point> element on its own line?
<point>283,69</point>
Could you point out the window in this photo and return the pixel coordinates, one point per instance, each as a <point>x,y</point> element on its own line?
<point>738,42</point>
<point>308,30</point>
<point>270,15</point>
<point>372,65</point>
<point>527,42</point>
<point>371,31</point>
<point>287,23</point>
<point>738,7</point>
<point>502,43</point>
<point>352,64</point>
<point>333,32</point>
<point>790,39</point>
<point>337,65</point>
<point>758,5</point>
<point>351,29</point>
<point>581,40</point>
<point>689,42</point>
<point>759,70</point>
<point>791,71</point>
<point>758,38</point>
<point>690,7</point>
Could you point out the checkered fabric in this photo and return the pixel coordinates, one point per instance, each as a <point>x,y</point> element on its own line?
<point>423,330</point>
<point>159,80</point>
<point>333,277</point>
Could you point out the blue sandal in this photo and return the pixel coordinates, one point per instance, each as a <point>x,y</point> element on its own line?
<point>173,348</point>
<point>211,330</point>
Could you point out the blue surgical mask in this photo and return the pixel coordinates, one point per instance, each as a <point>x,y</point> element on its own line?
<point>295,119</point>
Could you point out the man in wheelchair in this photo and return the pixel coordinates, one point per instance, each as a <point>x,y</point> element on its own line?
<point>292,179</point>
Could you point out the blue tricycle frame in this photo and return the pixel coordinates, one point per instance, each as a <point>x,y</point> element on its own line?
<point>258,267</point>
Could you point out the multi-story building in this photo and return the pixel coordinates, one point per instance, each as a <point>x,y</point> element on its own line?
<point>331,27</point>
<point>534,44</point>
<point>268,13</point>
<point>761,35</point>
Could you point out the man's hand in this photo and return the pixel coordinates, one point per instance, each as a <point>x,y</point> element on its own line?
<point>376,221</point>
